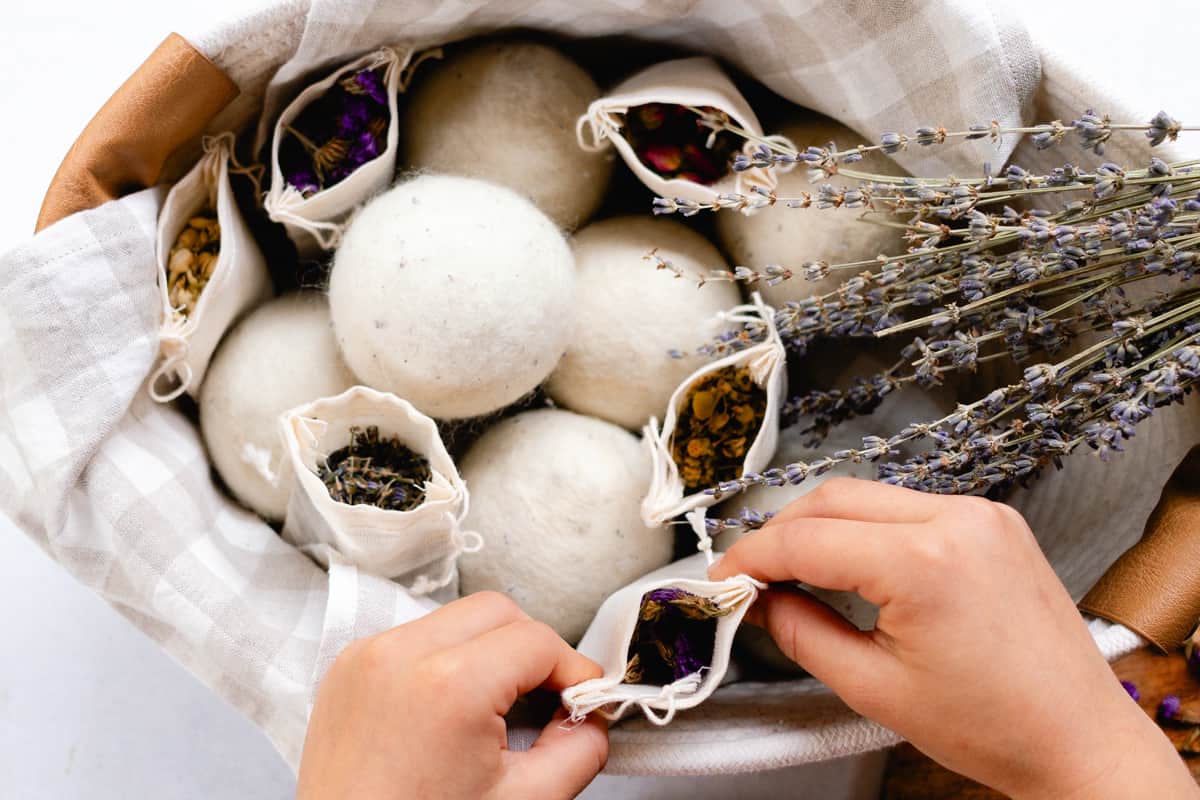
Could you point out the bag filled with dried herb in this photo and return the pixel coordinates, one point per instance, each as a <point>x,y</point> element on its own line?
<point>663,123</point>
<point>374,482</point>
<point>664,642</point>
<point>210,270</point>
<point>335,145</point>
<point>721,422</point>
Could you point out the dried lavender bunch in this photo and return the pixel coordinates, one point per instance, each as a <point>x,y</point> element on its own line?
<point>982,281</point>
<point>674,637</point>
<point>376,471</point>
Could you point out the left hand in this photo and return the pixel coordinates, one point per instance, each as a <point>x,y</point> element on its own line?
<point>418,711</point>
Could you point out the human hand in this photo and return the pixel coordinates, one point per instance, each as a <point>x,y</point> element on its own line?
<point>979,656</point>
<point>418,711</point>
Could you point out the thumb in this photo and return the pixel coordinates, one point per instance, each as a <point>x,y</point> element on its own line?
<point>819,639</point>
<point>561,763</point>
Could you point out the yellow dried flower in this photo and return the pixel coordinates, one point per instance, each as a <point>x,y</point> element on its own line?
<point>719,418</point>
<point>191,261</point>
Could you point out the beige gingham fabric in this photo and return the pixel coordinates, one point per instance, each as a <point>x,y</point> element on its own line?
<point>118,490</point>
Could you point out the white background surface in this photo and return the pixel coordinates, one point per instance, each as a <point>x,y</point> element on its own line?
<point>88,706</point>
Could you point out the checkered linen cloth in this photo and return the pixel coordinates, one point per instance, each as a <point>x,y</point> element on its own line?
<point>118,489</point>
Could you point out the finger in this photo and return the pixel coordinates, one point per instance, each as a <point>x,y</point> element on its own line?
<point>866,501</point>
<point>522,656</point>
<point>454,624</point>
<point>561,763</point>
<point>819,639</point>
<point>830,553</point>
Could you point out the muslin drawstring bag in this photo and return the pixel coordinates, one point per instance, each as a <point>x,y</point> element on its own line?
<point>696,83</point>
<point>237,280</point>
<point>315,222</point>
<point>636,622</point>
<point>668,496</point>
<point>419,547</point>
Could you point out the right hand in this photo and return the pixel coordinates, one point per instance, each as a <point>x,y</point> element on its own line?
<point>979,656</point>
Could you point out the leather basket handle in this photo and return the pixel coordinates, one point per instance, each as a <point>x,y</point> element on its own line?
<point>1154,588</point>
<point>165,104</point>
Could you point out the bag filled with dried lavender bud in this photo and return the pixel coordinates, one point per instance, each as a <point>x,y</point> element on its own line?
<point>664,642</point>
<point>662,121</point>
<point>210,270</point>
<point>335,146</point>
<point>721,422</point>
<point>374,482</point>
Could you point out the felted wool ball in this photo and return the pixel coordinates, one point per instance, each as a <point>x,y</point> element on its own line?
<point>555,496</point>
<point>792,236</point>
<point>629,316</point>
<point>452,293</point>
<point>506,112</point>
<point>281,356</point>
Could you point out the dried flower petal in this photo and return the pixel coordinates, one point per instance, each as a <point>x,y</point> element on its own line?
<point>337,133</point>
<point>676,142</point>
<point>1169,708</point>
<point>191,261</point>
<point>374,471</point>
<point>674,637</point>
<point>718,420</point>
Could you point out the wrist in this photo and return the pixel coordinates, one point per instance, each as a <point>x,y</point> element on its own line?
<point>1127,760</point>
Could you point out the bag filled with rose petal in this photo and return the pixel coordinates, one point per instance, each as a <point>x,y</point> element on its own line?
<point>656,121</point>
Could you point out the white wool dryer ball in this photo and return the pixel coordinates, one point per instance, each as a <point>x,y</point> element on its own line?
<point>506,112</point>
<point>629,316</point>
<point>792,236</point>
<point>556,496</point>
<point>281,356</point>
<point>454,294</point>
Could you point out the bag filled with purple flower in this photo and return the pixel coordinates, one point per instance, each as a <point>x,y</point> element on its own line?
<point>664,642</point>
<point>335,146</point>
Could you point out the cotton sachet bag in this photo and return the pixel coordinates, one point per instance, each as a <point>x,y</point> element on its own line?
<point>647,119</point>
<point>338,445</point>
<point>721,422</point>
<point>210,270</point>
<point>664,642</point>
<point>326,163</point>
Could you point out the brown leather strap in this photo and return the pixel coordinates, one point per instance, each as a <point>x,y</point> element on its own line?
<point>165,104</point>
<point>1154,589</point>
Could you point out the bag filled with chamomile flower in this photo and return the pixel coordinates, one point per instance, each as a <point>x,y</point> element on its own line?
<point>211,270</point>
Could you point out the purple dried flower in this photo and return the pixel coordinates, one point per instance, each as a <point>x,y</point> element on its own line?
<point>1169,708</point>
<point>337,133</point>
<point>674,636</point>
<point>370,83</point>
<point>1131,688</point>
